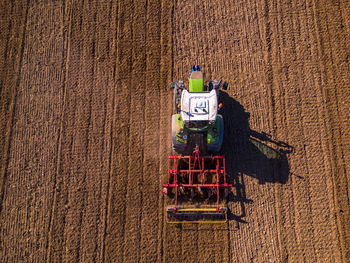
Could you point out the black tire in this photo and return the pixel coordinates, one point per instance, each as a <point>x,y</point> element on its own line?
<point>215,148</point>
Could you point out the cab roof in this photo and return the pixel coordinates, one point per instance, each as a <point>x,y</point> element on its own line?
<point>199,106</point>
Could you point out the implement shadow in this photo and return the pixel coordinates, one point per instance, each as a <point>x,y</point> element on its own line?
<point>251,153</point>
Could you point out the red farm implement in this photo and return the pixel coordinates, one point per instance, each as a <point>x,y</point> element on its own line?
<point>199,188</point>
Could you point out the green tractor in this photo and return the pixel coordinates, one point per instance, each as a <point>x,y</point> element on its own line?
<point>197,178</point>
<point>196,121</point>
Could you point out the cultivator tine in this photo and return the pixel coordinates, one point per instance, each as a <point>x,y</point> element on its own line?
<point>195,177</point>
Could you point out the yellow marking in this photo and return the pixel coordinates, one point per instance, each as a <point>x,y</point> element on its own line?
<point>198,222</point>
<point>198,209</point>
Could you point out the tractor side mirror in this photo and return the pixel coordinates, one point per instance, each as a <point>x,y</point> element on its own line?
<point>210,85</point>
<point>225,85</point>
<point>219,84</point>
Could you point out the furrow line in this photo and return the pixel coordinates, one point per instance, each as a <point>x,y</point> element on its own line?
<point>12,108</point>
<point>65,55</point>
<point>109,130</point>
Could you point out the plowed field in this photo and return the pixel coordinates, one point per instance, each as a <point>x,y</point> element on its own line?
<point>85,114</point>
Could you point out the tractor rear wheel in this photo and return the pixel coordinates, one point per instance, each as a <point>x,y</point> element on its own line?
<point>216,147</point>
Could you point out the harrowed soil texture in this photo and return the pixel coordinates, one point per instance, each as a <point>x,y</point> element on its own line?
<point>85,115</point>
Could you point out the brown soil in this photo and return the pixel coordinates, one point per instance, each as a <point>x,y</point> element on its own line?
<point>85,114</point>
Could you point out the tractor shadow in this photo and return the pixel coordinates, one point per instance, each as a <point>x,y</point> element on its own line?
<point>251,153</point>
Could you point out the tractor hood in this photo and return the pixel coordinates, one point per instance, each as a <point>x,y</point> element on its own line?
<point>199,106</point>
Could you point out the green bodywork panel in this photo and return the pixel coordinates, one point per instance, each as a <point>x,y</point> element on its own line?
<point>179,123</point>
<point>201,129</point>
<point>179,129</point>
<point>213,134</point>
<point>196,85</point>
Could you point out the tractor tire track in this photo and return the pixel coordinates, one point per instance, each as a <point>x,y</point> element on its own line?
<point>116,214</point>
<point>83,138</point>
<point>99,134</point>
<point>165,110</point>
<point>32,151</point>
<point>66,18</point>
<point>12,56</point>
<point>67,222</point>
<point>150,178</point>
<point>306,226</point>
<point>332,37</point>
<point>134,186</point>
